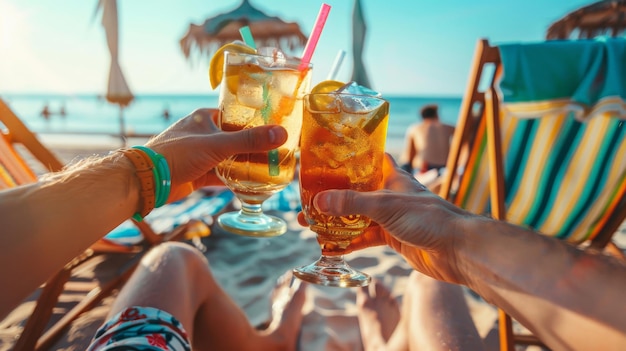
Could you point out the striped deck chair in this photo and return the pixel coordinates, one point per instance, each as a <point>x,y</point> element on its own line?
<point>39,332</point>
<point>548,151</point>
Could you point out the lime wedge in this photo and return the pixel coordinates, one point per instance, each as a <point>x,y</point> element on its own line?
<point>381,113</point>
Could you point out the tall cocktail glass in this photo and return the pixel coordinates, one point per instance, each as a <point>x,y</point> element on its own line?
<point>258,90</point>
<point>342,147</point>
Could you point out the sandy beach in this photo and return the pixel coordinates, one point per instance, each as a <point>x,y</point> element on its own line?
<point>247,268</point>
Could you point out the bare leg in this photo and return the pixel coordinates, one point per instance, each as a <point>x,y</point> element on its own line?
<point>381,324</point>
<point>176,278</point>
<point>434,316</point>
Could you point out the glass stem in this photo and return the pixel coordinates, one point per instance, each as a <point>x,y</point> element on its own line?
<point>251,210</point>
<point>331,261</point>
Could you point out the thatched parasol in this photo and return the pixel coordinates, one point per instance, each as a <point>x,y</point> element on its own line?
<point>606,17</point>
<point>359,74</point>
<point>224,28</point>
<point>118,91</point>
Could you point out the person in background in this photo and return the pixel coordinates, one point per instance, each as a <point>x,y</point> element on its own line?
<point>45,112</point>
<point>427,143</point>
<point>62,110</point>
<point>166,113</point>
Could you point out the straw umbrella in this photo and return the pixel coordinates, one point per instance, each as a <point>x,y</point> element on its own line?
<point>224,28</point>
<point>606,17</point>
<point>118,91</point>
<point>359,28</point>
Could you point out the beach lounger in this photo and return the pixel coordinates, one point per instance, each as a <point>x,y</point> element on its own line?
<point>541,142</point>
<point>132,239</point>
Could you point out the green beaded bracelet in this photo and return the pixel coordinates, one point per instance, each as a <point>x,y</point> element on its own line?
<point>162,176</point>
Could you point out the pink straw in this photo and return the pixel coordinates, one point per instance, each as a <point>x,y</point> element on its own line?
<point>315,36</point>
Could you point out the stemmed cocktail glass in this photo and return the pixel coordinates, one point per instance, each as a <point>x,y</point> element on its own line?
<point>258,90</point>
<point>342,147</point>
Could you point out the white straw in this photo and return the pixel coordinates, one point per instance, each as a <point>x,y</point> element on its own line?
<point>335,68</point>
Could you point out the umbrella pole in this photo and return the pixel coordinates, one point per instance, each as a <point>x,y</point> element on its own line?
<point>122,127</point>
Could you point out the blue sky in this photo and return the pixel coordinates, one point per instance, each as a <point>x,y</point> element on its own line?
<point>413,47</point>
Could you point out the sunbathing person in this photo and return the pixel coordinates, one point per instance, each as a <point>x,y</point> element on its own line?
<point>172,302</point>
<point>427,143</point>
<point>569,298</point>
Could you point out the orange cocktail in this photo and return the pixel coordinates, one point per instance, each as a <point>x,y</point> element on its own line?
<point>342,147</point>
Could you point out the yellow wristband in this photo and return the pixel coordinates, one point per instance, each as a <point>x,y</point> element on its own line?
<point>143,169</point>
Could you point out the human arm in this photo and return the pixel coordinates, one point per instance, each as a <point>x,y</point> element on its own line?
<point>46,224</point>
<point>568,297</point>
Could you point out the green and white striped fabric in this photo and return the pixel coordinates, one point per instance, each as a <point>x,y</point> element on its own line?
<point>564,156</point>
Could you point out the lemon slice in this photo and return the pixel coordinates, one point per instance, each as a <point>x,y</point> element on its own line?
<point>216,66</point>
<point>327,86</point>
<point>318,102</point>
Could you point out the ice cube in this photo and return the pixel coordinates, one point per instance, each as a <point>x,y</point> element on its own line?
<point>351,104</point>
<point>250,92</point>
<point>363,171</point>
<point>275,53</point>
<point>285,82</point>
<point>360,103</point>
<point>354,88</point>
<point>238,114</point>
<point>362,100</point>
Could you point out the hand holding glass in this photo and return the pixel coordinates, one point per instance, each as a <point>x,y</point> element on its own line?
<point>342,147</point>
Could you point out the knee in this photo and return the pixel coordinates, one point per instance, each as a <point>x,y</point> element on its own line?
<point>425,284</point>
<point>175,253</point>
<point>420,280</point>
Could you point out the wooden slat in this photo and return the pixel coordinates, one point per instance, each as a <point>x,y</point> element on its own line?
<point>43,310</point>
<point>494,151</point>
<point>94,297</point>
<point>18,132</point>
<point>13,163</point>
<point>467,122</point>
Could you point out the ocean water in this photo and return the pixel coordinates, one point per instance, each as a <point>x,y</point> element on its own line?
<point>93,118</point>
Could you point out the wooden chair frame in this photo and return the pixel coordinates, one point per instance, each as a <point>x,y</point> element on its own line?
<point>477,105</point>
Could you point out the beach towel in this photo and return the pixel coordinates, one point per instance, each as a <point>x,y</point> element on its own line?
<point>200,206</point>
<point>584,77</point>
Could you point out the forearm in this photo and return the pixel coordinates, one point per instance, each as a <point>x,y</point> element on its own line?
<point>566,296</point>
<point>46,224</point>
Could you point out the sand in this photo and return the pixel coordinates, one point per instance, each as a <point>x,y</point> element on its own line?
<point>247,269</point>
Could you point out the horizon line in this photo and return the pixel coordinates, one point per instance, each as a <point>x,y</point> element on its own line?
<point>189,94</point>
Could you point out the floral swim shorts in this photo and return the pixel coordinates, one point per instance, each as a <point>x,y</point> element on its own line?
<point>141,328</point>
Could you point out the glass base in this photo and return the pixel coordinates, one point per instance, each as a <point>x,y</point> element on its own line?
<point>260,225</point>
<point>332,271</point>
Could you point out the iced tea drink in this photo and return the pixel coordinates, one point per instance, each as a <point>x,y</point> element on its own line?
<point>342,147</point>
<point>258,90</point>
